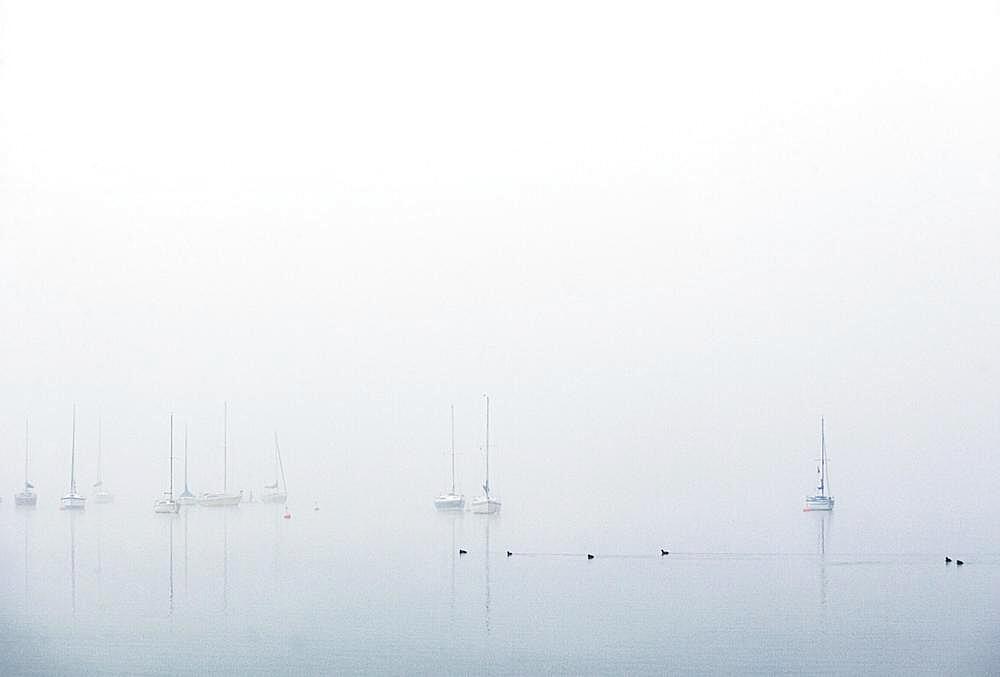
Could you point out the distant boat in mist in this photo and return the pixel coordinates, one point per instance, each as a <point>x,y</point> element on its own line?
<point>451,500</point>
<point>821,500</point>
<point>73,500</point>
<point>186,497</point>
<point>167,504</point>
<point>486,504</point>
<point>224,497</point>
<point>27,497</point>
<point>101,494</point>
<point>275,493</point>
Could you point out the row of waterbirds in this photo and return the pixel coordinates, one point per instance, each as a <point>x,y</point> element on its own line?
<point>169,502</point>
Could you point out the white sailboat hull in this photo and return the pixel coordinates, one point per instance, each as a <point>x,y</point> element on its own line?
<point>448,502</point>
<point>220,500</point>
<point>166,506</point>
<point>187,499</point>
<point>103,496</point>
<point>26,498</point>
<point>484,505</point>
<point>73,502</point>
<point>273,496</point>
<point>818,503</point>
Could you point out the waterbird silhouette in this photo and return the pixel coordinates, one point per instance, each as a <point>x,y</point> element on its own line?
<point>959,562</point>
<point>589,556</point>
<point>463,552</point>
<point>664,552</point>
<point>947,560</point>
<point>509,553</point>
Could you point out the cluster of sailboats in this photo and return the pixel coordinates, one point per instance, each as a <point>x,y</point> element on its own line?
<point>486,504</point>
<point>168,503</point>
<point>453,501</point>
<point>277,491</point>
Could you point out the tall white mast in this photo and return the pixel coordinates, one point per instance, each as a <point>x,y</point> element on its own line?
<point>486,487</point>
<point>25,452</point>
<point>100,446</point>
<point>225,446</point>
<point>824,489</point>
<point>72,457</point>
<point>171,457</point>
<point>281,466</point>
<point>185,459</point>
<point>453,450</point>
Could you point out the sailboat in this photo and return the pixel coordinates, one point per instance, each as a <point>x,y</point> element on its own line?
<point>272,492</point>
<point>451,500</point>
<point>167,504</point>
<point>822,499</point>
<point>486,504</point>
<point>28,497</point>
<point>186,497</point>
<point>73,500</point>
<point>224,497</point>
<point>101,495</point>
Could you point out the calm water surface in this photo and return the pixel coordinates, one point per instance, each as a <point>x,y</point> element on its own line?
<point>118,590</point>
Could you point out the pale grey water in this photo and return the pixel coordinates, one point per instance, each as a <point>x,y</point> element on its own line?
<point>353,589</point>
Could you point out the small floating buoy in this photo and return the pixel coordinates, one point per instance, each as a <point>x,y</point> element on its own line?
<point>589,556</point>
<point>959,562</point>
<point>947,560</point>
<point>664,552</point>
<point>287,514</point>
<point>463,552</point>
<point>509,553</point>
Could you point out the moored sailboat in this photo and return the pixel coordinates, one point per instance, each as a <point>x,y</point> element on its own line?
<point>225,497</point>
<point>186,497</point>
<point>275,493</point>
<point>101,494</point>
<point>451,500</point>
<point>73,500</point>
<point>27,497</point>
<point>167,504</point>
<point>821,500</point>
<point>486,504</point>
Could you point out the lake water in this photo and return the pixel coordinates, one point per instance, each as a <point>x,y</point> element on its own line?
<point>349,589</point>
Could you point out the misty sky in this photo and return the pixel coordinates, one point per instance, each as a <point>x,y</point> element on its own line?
<point>665,238</point>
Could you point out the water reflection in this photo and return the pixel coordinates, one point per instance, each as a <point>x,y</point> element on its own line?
<point>225,560</point>
<point>171,574</point>
<point>823,520</point>
<point>486,557</point>
<point>187,510</point>
<point>72,561</point>
<point>27,523</point>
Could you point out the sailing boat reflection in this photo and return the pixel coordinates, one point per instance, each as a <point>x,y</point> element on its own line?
<point>27,596</point>
<point>225,561</point>
<point>72,562</point>
<point>486,552</point>
<point>823,526</point>
<point>171,575</point>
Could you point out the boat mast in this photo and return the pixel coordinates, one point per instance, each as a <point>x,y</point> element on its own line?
<point>822,457</point>
<point>171,457</point>
<point>486,487</point>
<point>25,452</point>
<point>99,447</point>
<point>185,459</point>
<point>72,457</point>
<point>453,450</point>
<point>225,445</point>
<point>281,466</point>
